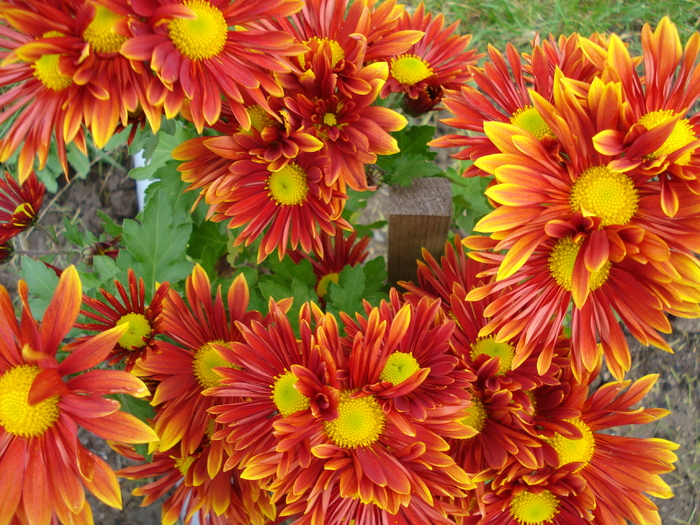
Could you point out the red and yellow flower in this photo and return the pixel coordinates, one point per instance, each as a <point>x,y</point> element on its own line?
<point>19,205</point>
<point>43,466</point>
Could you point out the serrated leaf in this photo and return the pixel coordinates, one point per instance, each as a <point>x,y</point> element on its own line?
<point>286,270</point>
<point>111,228</point>
<point>161,153</point>
<point>346,296</point>
<point>42,282</point>
<point>79,161</point>
<point>408,167</point>
<point>297,290</point>
<point>375,274</point>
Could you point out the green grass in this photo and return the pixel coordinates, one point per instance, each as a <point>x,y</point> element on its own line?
<point>497,22</point>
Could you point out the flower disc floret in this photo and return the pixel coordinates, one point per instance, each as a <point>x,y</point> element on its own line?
<point>100,33</point>
<point>562,261</point>
<point>530,120</point>
<point>360,422</point>
<point>488,346</point>
<point>139,328</point>
<point>399,367</point>
<point>46,70</point>
<point>681,136</point>
<point>410,69</point>
<point>529,508</point>
<point>288,399</point>
<point>202,37</point>
<point>329,119</point>
<point>287,186</point>
<point>259,118</point>
<point>337,51</point>
<point>17,415</point>
<point>204,362</point>
<point>476,415</point>
<point>606,194</point>
<point>574,450</point>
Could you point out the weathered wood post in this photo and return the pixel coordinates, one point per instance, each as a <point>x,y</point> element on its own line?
<point>419,216</point>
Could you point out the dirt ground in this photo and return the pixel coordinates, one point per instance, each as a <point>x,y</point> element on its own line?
<point>678,387</point>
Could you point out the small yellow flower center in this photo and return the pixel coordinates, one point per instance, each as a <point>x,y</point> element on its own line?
<point>399,367</point>
<point>606,194</point>
<point>329,119</point>
<point>184,464</point>
<point>100,32</point>
<point>47,71</point>
<point>562,261</point>
<point>204,362</point>
<point>139,328</point>
<point>409,69</point>
<point>476,415</point>
<point>287,398</point>
<point>288,185</point>
<point>259,118</point>
<point>574,450</point>
<point>489,346</point>
<point>202,37</point>
<point>337,51</point>
<point>360,422</point>
<point>325,282</point>
<point>681,136</point>
<point>528,508</point>
<point>17,416</point>
<point>529,119</point>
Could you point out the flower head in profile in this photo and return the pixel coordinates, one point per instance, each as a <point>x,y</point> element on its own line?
<point>439,61</point>
<point>19,204</point>
<point>145,322</point>
<point>43,466</point>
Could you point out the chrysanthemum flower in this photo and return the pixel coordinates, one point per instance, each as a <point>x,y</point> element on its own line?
<point>145,322</point>
<point>619,471</point>
<point>19,204</point>
<point>6,252</point>
<point>190,47</point>
<point>439,60</point>
<point>43,466</point>
<point>338,252</point>
<point>659,136</point>
<point>184,370</point>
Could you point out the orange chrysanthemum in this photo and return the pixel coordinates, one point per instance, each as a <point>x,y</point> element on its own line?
<point>145,322</point>
<point>19,205</point>
<point>43,465</point>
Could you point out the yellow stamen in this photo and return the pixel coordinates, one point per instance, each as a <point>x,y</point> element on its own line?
<point>360,422</point>
<point>529,119</point>
<point>200,38</point>
<point>329,119</point>
<point>183,464</point>
<point>476,415</point>
<point>562,261</point>
<point>528,508</point>
<point>681,136</point>
<point>337,52</point>
<point>409,69</point>
<point>606,194</point>
<point>204,362</point>
<point>574,450</point>
<point>100,32</point>
<point>288,185</point>
<point>287,398</point>
<point>325,282</point>
<point>399,367</point>
<point>139,328</point>
<point>47,71</point>
<point>489,346</point>
<point>17,415</point>
<point>259,118</point>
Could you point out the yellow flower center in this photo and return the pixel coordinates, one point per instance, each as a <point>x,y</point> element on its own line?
<point>409,69</point>
<point>562,261</point>
<point>259,118</point>
<point>329,119</point>
<point>202,37</point>
<point>681,136</point>
<point>17,415</point>
<point>476,415</point>
<point>529,119</point>
<point>399,367</point>
<point>100,32</point>
<point>139,328</point>
<point>47,71</point>
<point>204,362</point>
<point>183,464</point>
<point>360,422</point>
<point>489,346</point>
<point>324,283</point>
<point>606,194</point>
<point>528,508</point>
<point>337,51</point>
<point>288,185</point>
<point>287,398</point>
<point>574,450</point>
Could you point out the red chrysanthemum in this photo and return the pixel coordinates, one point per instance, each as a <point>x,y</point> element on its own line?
<point>43,466</point>
<point>19,205</point>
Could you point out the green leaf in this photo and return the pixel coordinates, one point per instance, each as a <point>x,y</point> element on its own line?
<point>415,158</point>
<point>78,160</point>
<point>375,274</point>
<point>42,282</point>
<point>286,270</point>
<point>297,290</point>
<point>470,203</point>
<point>207,244</point>
<point>111,228</point>
<point>160,153</point>
<point>346,296</point>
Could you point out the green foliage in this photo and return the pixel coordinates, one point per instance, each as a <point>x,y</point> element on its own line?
<point>42,282</point>
<point>356,283</point>
<point>158,148</point>
<point>414,160</point>
<point>468,200</point>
